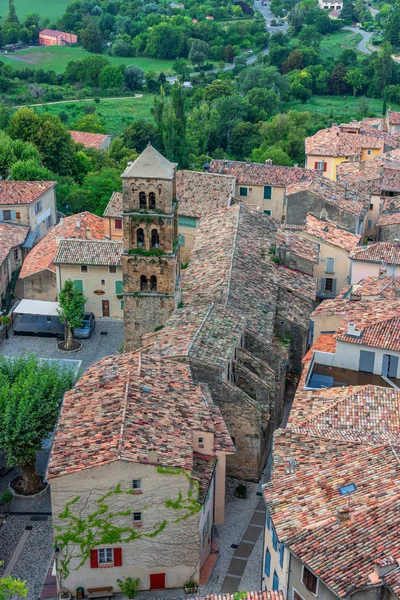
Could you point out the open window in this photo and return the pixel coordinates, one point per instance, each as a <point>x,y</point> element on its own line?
<point>152,201</point>
<point>140,237</point>
<point>142,200</point>
<point>144,284</point>
<point>155,238</point>
<point>153,283</point>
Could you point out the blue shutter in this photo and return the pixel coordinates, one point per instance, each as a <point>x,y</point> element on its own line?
<point>267,192</point>
<point>330,265</point>
<point>243,191</point>
<point>13,215</point>
<point>274,540</point>
<point>1,216</point>
<point>268,520</point>
<point>78,283</point>
<point>334,286</point>
<point>267,569</point>
<point>275,582</point>
<point>187,221</point>
<point>323,285</point>
<point>281,551</point>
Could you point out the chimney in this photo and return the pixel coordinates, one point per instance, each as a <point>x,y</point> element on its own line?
<point>61,221</point>
<point>78,223</point>
<point>152,455</point>
<point>282,330</point>
<point>145,418</point>
<point>295,165</point>
<point>88,234</point>
<point>361,165</point>
<point>269,161</point>
<point>58,239</point>
<point>343,514</point>
<point>101,380</point>
<point>248,161</point>
<point>383,566</point>
<point>353,331</point>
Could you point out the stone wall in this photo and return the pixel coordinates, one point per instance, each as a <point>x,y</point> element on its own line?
<point>289,258</point>
<point>142,314</point>
<point>388,233</point>
<point>40,286</point>
<point>301,203</point>
<point>165,193</point>
<point>162,267</point>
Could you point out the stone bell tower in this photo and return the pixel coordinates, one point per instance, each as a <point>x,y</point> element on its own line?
<point>150,259</point>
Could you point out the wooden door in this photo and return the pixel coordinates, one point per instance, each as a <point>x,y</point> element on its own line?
<point>157,581</point>
<point>105,308</point>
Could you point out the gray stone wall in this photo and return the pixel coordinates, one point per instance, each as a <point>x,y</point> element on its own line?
<point>142,315</point>
<point>389,233</point>
<point>301,203</point>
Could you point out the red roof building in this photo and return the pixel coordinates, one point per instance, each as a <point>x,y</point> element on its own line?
<point>53,37</point>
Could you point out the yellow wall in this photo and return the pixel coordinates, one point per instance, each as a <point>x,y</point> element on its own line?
<point>189,234</point>
<point>110,231</point>
<point>91,283</point>
<point>374,152</point>
<point>341,264</point>
<point>255,197</point>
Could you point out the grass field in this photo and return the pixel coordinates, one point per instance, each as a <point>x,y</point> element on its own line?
<point>333,45</point>
<point>52,9</point>
<point>56,58</point>
<point>117,114</point>
<point>339,108</point>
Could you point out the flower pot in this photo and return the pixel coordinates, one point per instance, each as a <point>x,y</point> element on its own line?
<point>190,589</point>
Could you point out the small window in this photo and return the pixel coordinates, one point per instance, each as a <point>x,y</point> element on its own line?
<point>49,221</point>
<point>144,284</point>
<point>7,215</point>
<point>267,212</point>
<point>181,240</point>
<point>371,206</point>
<point>369,224</point>
<point>309,580</point>
<point>140,237</point>
<point>274,540</point>
<point>267,192</point>
<point>38,207</point>
<point>321,165</point>
<point>106,556</point>
<point>330,265</point>
<point>142,200</point>
<point>17,215</point>
<point>243,191</point>
<point>155,238</point>
<point>84,269</point>
<point>112,269</point>
<point>328,285</point>
<point>152,201</point>
<point>102,282</point>
<point>137,484</point>
<point>267,567</point>
<point>281,553</point>
<point>201,441</point>
<point>153,283</point>
<point>118,223</point>
<point>369,152</point>
<point>16,254</point>
<point>137,517</point>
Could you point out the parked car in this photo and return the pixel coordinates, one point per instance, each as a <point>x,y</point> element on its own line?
<point>88,325</point>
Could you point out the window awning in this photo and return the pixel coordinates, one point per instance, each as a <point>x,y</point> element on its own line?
<point>30,240</point>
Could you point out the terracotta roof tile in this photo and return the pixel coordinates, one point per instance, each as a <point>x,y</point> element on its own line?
<point>89,252</point>
<point>127,404</point>
<point>393,117</point>
<point>266,595</point>
<point>11,236</point>
<point>22,192</point>
<point>114,206</point>
<point>334,142</point>
<point>385,287</point>
<point>325,343</point>
<point>381,252</point>
<point>203,193</point>
<point>78,226</point>
<point>382,334</point>
<point>262,174</point>
<point>298,244</point>
<point>89,140</point>
<point>392,579</point>
<point>202,472</point>
<point>331,232</point>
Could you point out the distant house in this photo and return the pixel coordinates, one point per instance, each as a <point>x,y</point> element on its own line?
<point>53,37</point>
<point>99,141</point>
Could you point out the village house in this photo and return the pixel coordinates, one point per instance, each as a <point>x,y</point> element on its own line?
<point>199,194</point>
<point>392,121</point>
<point>327,200</point>
<point>12,252</point>
<point>53,37</point>
<point>376,260</point>
<point>38,273</point>
<point>332,522</point>
<point>262,185</point>
<point>95,268</point>
<point>149,448</point>
<point>388,223</point>
<point>99,141</point>
<point>332,268</point>
<point>29,203</point>
<point>330,6</point>
<point>351,142</point>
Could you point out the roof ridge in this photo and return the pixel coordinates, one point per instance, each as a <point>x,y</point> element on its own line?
<point>228,291</point>
<point>196,335</point>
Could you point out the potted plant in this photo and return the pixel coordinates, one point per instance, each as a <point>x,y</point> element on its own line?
<point>6,321</point>
<point>191,587</point>
<point>6,499</point>
<point>64,594</point>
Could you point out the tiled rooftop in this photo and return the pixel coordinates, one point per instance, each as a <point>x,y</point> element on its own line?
<point>231,265</point>
<point>390,212</point>
<point>376,175</point>
<point>266,595</point>
<point>381,252</point>
<point>10,237</point>
<point>386,287</point>
<point>22,192</point>
<point>360,311</point>
<point>392,580</point>
<point>89,140</point>
<point>89,252</point>
<point>206,333</point>
<point>331,232</point>
<point>381,334</point>
<point>393,117</point>
<point>114,206</point>
<point>333,142</point>
<point>125,405</point>
<point>350,200</point>
<point>203,193</point>
<point>262,174</point>
<point>77,226</point>
<point>298,244</point>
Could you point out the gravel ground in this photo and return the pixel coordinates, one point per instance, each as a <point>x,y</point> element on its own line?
<point>93,349</point>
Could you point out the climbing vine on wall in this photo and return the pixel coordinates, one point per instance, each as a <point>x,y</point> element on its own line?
<point>80,534</point>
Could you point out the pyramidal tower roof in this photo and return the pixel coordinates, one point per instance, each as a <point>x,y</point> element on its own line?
<point>150,164</point>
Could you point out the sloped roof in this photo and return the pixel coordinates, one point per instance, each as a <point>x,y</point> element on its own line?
<point>203,193</point>
<point>299,244</point>
<point>353,201</point>
<point>150,164</point>
<point>386,287</point>
<point>22,192</point>
<point>89,140</point>
<point>381,252</point>
<point>393,117</point>
<point>89,252</point>
<point>77,226</point>
<point>382,334</point>
<point>392,580</point>
<point>114,206</point>
<point>262,174</point>
<point>125,405</point>
<point>52,32</point>
<point>332,233</point>
<point>10,237</point>
<point>334,142</point>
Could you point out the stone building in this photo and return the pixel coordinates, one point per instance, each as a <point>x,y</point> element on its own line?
<point>150,258</point>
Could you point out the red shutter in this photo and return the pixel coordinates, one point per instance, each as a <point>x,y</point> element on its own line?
<point>94,559</point>
<point>325,166</point>
<point>316,165</point>
<point>117,557</point>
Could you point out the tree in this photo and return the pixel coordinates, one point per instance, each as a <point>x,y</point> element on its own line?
<point>383,69</point>
<point>199,52</point>
<point>91,123</point>
<point>11,18</point>
<point>72,304</point>
<point>217,89</point>
<point>244,137</point>
<point>111,77</point>
<point>356,79</point>
<point>336,83</point>
<point>137,135</point>
<point>29,170</point>
<point>9,586</point>
<point>293,61</point>
<point>134,78</point>
<point>229,53</point>
<point>348,12</point>
<point>31,391</point>
<point>91,38</point>
<point>392,34</point>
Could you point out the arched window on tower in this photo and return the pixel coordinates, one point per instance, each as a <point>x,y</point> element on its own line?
<point>155,238</point>
<point>140,237</point>
<point>142,200</point>
<point>144,284</point>
<point>152,200</point>
<point>153,283</point>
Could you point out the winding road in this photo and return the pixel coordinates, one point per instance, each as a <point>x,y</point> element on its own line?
<point>366,35</point>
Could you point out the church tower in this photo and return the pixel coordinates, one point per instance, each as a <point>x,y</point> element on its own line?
<point>150,259</point>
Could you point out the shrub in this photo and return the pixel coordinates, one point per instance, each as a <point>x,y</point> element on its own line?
<point>129,586</point>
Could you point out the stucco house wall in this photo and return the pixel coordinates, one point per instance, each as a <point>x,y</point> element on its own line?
<point>40,286</point>
<point>255,197</point>
<point>348,356</point>
<point>361,269</point>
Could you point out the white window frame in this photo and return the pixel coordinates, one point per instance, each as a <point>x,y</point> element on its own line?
<point>84,266</point>
<point>200,441</point>
<point>297,592</point>
<point>112,267</point>
<point>137,521</point>
<point>302,577</point>
<point>105,552</point>
<point>319,163</point>
<point>139,481</point>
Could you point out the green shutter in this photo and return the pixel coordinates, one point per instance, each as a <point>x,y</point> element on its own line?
<point>267,192</point>
<point>122,305</point>
<point>243,191</point>
<point>118,287</point>
<point>187,222</point>
<point>181,240</point>
<point>78,283</point>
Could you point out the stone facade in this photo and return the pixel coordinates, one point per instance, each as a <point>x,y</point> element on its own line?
<point>150,260</point>
<point>299,204</point>
<point>388,233</point>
